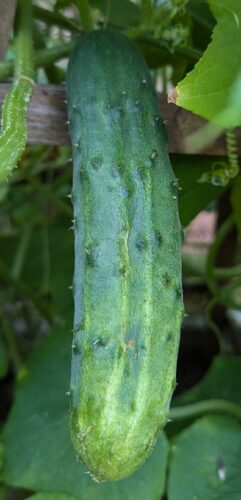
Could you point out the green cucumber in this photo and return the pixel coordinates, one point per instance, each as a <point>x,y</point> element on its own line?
<point>127,278</point>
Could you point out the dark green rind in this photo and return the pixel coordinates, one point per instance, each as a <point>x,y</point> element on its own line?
<point>127,279</point>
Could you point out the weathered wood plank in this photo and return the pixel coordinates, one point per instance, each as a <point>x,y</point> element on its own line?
<point>7,12</point>
<point>47,121</point>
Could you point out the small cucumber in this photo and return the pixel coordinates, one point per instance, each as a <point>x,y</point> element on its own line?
<point>127,278</point>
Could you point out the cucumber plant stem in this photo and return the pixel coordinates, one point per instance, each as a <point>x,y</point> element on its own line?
<point>55,18</point>
<point>107,14</point>
<point>53,73</point>
<point>146,12</point>
<point>24,66</point>
<point>17,266</point>
<point>210,264</point>
<point>194,410</point>
<point>223,344</point>
<point>229,272</point>
<point>190,53</point>
<point>212,280</point>
<point>21,251</point>
<point>43,57</point>
<point>85,15</point>
<point>14,114</point>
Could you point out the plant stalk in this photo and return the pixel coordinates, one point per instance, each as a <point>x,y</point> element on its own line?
<point>85,15</point>
<point>194,410</point>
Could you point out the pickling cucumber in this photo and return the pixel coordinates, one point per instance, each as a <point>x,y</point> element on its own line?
<point>127,290</point>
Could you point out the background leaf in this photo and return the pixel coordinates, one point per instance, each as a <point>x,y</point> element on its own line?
<point>39,455</point>
<point>208,88</point>
<point>124,13</point>
<point>205,461</point>
<point>193,196</point>
<point>203,19</point>
<point>222,381</point>
<point>50,496</point>
<point>48,266</point>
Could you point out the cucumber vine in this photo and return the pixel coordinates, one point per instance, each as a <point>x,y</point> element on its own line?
<point>85,15</point>
<point>14,114</point>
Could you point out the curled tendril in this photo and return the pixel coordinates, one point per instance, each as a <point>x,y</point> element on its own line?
<point>223,171</point>
<point>232,152</point>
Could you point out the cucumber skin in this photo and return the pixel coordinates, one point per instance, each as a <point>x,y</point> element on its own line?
<point>127,291</point>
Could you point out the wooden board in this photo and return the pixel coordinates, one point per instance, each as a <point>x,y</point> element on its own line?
<point>47,121</point>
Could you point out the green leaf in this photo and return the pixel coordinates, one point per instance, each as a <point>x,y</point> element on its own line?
<point>50,496</point>
<point>202,16</point>
<point>236,202</point>
<point>193,196</point>
<point>124,13</point>
<point>205,461</point>
<point>48,267</point>
<point>222,381</point>
<point>60,268</point>
<point>156,55</point>
<point>211,89</point>
<point>38,452</point>
<point>231,115</point>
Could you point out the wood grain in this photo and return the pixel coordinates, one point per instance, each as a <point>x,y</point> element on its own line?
<point>47,121</point>
<point>7,12</point>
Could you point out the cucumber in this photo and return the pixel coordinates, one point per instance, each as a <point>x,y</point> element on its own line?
<point>127,280</point>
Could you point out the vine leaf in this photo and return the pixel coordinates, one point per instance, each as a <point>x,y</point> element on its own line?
<point>51,496</point>
<point>14,126</point>
<point>220,382</point>
<point>212,88</point>
<point>193,196</point>
<point>206,458</point>
<point>123,13</point>
<point>13,135</point>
